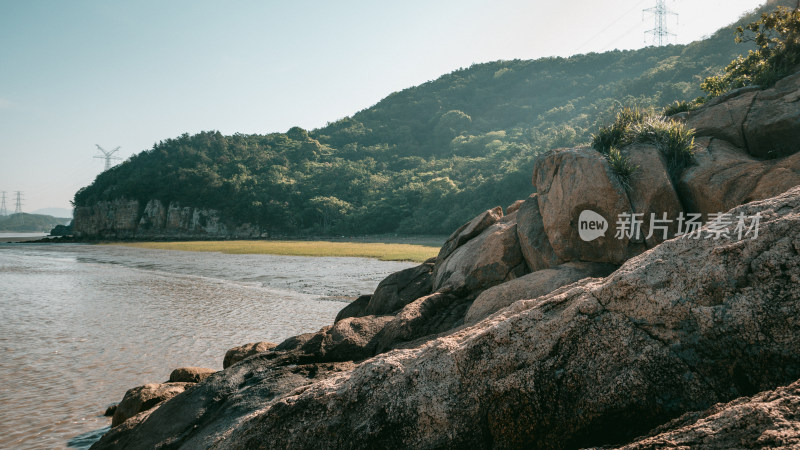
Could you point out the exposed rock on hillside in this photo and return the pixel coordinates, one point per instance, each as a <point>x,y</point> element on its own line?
<point>122,219</point>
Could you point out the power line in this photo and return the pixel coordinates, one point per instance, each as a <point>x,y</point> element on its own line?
<point>660,32</point>
<point>592,39</point>
<point>108,156</point>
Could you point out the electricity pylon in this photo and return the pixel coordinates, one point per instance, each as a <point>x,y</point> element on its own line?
<point>107,156</point>
<point>660,32</point>
<point>3,210</point>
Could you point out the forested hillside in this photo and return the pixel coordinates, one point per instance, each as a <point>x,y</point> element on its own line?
<point>423,160</point>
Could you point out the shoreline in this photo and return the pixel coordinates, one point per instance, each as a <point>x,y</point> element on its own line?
<point>384,251</point>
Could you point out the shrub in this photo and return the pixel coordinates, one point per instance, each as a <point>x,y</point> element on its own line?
<point>777,37</point>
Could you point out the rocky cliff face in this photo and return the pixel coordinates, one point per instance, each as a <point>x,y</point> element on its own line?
<point>549,327</point>
<point>124,219</point>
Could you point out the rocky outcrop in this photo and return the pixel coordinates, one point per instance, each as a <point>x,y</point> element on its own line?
<point>570,181</point>
<point>490,258</point>
<point>519,334</point>
<point>684,326</point>
<point>725,176</point>
<point>468,231</point>
<point>531,286</point>
<point>125,219</point>
<point>145,397</point>
<point>190,374</point>
<point>241,352</point>
<point>401,288</point>
<point>767,420</point>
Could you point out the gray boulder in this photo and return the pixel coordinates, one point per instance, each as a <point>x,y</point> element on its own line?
<point>355,308</point>
<point>531,286</point>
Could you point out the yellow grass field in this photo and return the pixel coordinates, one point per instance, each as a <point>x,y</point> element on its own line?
<point>382,251</point>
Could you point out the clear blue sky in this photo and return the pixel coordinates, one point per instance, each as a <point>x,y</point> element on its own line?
<point>130,73</point>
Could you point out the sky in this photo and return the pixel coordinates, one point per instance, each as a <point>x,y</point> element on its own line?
<point>131,73</point>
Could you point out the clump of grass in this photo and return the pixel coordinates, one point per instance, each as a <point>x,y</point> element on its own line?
<point>679,106</point>
<point>622,167</point>
<point>671,137</point>
<point>382,251</point>
<point>618,133</point>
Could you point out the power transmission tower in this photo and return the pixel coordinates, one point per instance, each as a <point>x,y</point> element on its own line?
<point>18,209</point>
<point>107,156</point>
<point>660,33</point>
<point>3,210</point>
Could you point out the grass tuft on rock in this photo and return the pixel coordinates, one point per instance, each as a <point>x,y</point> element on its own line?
<point>622,167</point>
<point>634,125</point>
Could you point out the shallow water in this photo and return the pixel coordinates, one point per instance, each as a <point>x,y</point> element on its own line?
<point>81,324</point>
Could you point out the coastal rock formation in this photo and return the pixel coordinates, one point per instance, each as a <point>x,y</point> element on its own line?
<point>766,420</point>
<point>534,243</point>
<point>725,176</point>
<point>468,231</point>
<point>569,181</point>
<point>490,258</point>
<point>241,352</point>
<point>123,219</point>
<point>401,288</point>
<point>679,328</point>
<point>520,335</point>
<point>531,286</point>
<point>190,374</point>
<point>143,398</point>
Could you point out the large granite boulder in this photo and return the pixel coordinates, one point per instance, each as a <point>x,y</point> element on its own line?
<point>531,286</point>
<point>652,194</point>
<point>533,241</point>
<point>468,231</point>
<point>145,397</point>
<point>241,352</point>
<point>401,288</point>
<point>422,318</point>
<point>772,127</point>
<point>572,180</point>
<point>676,329</point>
<point>766,420</point>
<point>490,258</point>
<point>725,176</point>
<point>723,117</point>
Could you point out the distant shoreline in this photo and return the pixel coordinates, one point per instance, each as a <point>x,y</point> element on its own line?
<point>385,251</point>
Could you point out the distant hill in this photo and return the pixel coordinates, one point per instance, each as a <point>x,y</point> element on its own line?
<point>423,160</point>
<point>55,212</point>
<point>30,223</point>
